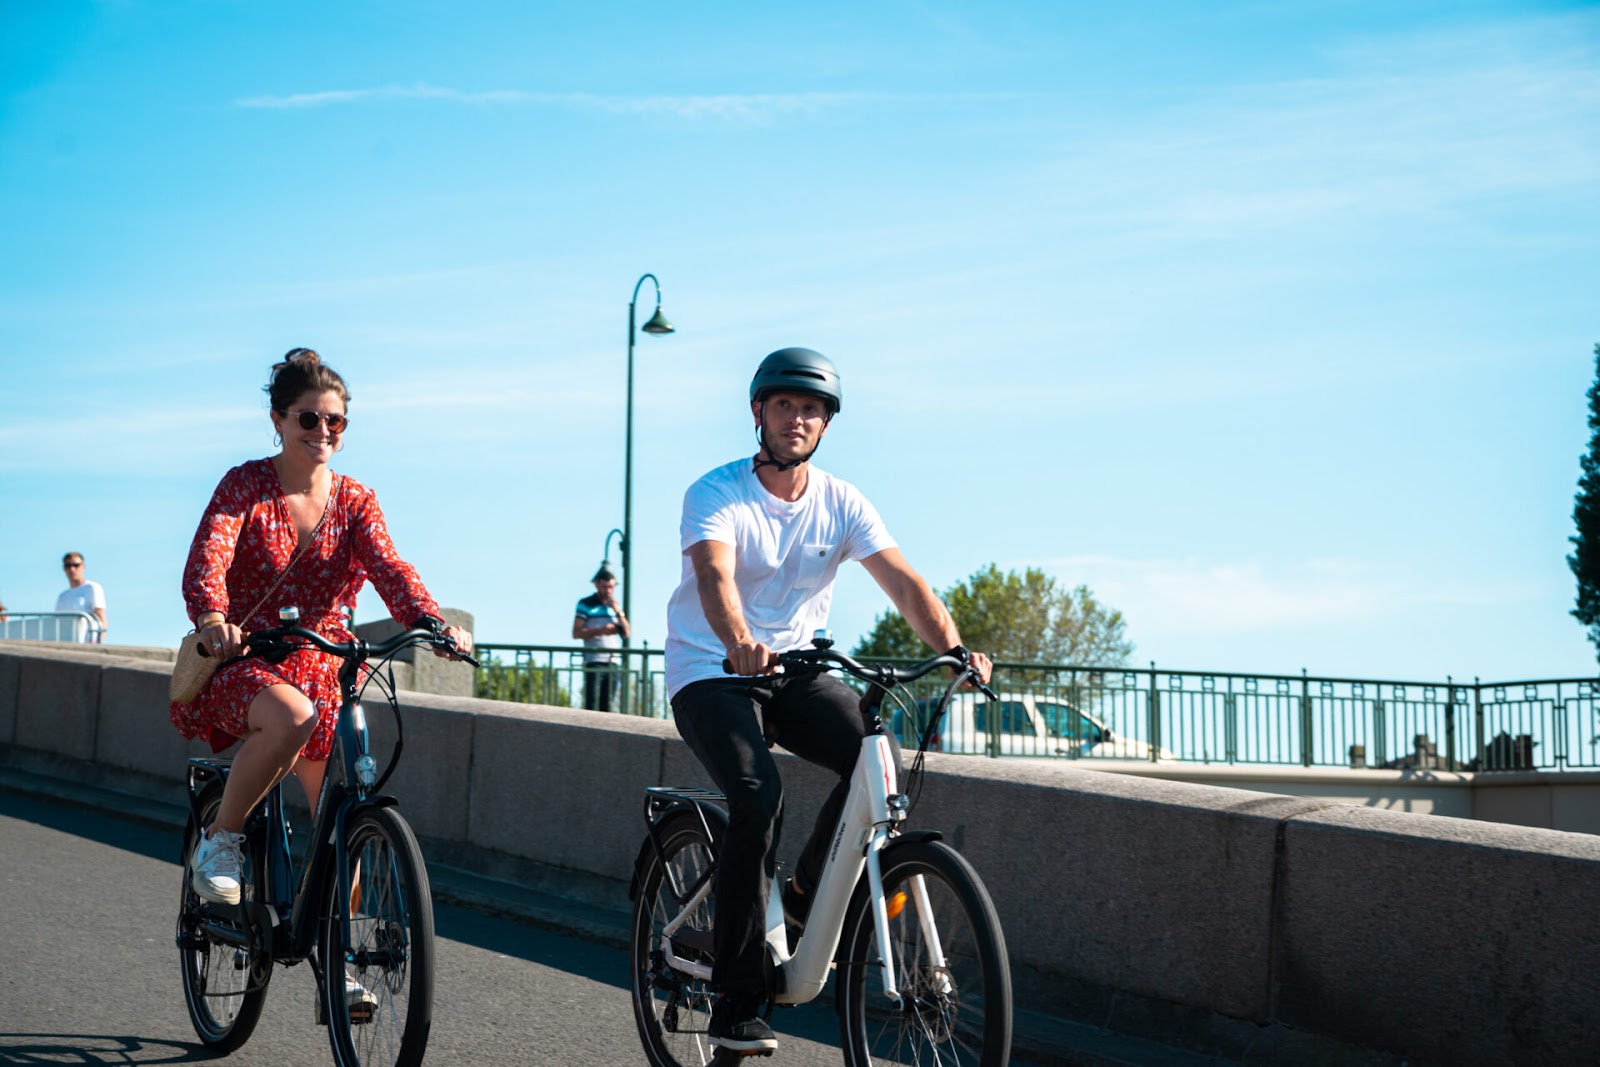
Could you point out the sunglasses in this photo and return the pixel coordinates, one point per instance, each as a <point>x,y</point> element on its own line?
<point>309,419</point>
<point>75,563</point>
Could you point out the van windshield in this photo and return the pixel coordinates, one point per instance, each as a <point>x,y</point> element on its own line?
<point>1067,721</point>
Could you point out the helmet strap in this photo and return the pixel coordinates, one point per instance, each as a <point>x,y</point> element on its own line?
<point>761,439</point>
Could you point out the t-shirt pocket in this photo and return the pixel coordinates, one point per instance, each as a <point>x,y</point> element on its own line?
<point>814,560</point>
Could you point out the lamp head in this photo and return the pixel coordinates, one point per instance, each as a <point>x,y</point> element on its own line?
<point>658,323</point>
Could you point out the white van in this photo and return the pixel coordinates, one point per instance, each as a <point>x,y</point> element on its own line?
<point>1018,724</point>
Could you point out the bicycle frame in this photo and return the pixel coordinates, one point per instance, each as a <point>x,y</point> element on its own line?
<point>346,789</point>
<point>871,818</point>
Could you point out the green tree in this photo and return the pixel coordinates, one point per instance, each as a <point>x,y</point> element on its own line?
<point>1016,618</point>
<point>1585,557</point>
<point>521,683</point>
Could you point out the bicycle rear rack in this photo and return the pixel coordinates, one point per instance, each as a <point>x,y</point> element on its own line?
<point>662,799</point>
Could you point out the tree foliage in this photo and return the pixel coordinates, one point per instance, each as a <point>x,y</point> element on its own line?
<point>521,683</point>
<point>1585,557</point>
<point>1015,618</point>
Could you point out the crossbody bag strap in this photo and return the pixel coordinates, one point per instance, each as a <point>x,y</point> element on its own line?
<point>333,496</point>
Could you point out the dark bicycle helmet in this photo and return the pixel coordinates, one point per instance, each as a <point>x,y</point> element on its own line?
<point>799,370</point>
<point>794,370</point>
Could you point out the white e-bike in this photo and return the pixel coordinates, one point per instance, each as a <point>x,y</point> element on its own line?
<point>923,975</point>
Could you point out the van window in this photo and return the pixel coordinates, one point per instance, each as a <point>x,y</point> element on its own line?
<point>1011,716</point>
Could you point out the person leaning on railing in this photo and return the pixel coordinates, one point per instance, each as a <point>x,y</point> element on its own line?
<point>279,532</point>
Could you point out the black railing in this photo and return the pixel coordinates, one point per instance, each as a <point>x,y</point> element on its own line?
<point>1119,713</point>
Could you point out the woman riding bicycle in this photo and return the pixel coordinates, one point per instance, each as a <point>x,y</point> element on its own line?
<point>762,541</point>
<point>284,531</point>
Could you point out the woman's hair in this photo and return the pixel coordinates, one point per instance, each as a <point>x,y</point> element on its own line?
<point>302,371</point>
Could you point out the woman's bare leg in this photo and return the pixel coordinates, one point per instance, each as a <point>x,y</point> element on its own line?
<point>281,721</point>
<point>311,773</point>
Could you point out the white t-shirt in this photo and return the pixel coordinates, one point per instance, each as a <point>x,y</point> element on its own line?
<point>785,558</point>
<point>84,597</point>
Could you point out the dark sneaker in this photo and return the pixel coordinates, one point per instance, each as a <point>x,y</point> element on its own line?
<point>738,1027</point>
<point>796,905</point>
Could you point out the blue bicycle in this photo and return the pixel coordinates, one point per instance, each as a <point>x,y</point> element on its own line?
<point>358,905</point>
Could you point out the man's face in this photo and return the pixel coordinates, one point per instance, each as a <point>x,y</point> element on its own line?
<point>74,569</point>
<point>794,423</point>
<point>606,587</point>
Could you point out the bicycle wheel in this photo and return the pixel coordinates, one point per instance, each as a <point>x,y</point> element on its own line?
<point>224,984</point>
<point>390,913</point>
<point>672,1008</point>
<point>954,1012</point>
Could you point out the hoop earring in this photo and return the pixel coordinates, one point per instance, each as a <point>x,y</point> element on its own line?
<point>277,438</point>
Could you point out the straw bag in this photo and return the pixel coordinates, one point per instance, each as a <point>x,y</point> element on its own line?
<point>194,668</point>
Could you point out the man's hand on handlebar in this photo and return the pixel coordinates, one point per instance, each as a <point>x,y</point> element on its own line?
<point>983,666</point>
<point>752,658</point>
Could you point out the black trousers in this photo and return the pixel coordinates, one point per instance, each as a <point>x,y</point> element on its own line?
<point>817,717</point>
<point>597,679</point>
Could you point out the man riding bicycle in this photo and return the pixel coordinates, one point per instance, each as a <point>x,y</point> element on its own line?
<point>762,541</point>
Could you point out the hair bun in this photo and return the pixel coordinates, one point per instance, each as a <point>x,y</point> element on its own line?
<point>305,357</point>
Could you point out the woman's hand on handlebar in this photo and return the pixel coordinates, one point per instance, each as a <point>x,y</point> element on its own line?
<point>222,639</point>
<point>460,638</point>
<point>751,658</point>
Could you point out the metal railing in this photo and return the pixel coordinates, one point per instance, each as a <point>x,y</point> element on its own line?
<point>75,626</point>
<point>555,675</point>
<point>1213,717</point>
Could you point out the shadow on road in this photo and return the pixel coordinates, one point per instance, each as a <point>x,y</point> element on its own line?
<point>106,828</point>
<point>96,1049</point>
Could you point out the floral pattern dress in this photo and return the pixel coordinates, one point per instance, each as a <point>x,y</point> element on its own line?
<point>245,540</point>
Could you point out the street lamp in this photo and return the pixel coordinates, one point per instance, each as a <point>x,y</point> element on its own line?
<point>658,324</point>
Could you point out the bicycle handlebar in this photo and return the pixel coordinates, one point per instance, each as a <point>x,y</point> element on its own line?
<point>273,638</point>
<point>885,676</point>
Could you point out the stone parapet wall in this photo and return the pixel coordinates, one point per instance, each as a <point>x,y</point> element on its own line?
<point>1243,924</point>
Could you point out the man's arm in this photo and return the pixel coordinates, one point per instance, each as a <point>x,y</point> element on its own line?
<point>713,563</point>
<point>928,617</point>
<point>581,627</point>
<point>100,613</point>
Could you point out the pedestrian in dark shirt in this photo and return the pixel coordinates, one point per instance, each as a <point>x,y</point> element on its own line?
<point>600,624</point>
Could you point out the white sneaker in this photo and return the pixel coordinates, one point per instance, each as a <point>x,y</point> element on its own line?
<point>359,999</point>
<point>218,866</point>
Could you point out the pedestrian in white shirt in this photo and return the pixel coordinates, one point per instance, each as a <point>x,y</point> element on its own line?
<point>84,597</point>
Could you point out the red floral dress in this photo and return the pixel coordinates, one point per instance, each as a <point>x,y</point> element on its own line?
<point>245,540</point>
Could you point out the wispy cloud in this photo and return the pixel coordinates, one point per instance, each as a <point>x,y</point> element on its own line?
<point>1177,598</point>
<point>736,106</point>
<point>419,91</point>
<point>1397,126</point>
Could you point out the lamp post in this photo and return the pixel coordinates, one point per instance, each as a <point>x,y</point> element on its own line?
<point>658,324</point>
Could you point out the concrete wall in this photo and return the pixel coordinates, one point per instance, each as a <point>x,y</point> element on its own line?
<point>1258,927</point>
<point>1553,800</point>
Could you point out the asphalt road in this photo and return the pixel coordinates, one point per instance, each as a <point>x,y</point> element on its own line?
<point>89,973</point>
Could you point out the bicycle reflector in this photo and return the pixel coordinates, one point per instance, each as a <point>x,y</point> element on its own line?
<point>895,904</point>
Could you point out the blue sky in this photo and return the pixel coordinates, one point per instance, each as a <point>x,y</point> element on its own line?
<point>1270,322</point>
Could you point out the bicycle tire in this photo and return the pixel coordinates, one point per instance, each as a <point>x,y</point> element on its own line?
<point>391,946</point>
<point>672,1009</point>
<point>224,986</point>
<point>958,1014</point>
